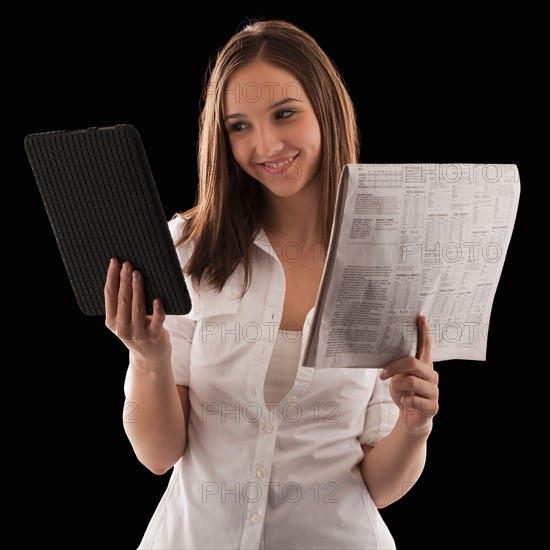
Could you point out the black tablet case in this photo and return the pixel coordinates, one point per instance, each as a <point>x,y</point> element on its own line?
<point>102,202</point>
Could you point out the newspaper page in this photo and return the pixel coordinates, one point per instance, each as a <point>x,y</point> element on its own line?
<point>407,240</point>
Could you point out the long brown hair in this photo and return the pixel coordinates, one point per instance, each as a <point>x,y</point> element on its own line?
<point>228,210</point>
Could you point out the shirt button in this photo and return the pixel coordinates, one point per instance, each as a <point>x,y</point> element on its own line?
<point>255,518</point>
<point>292,398</point>
<point>198,308</point>
<point>269,428</point>
<point>260,472</point>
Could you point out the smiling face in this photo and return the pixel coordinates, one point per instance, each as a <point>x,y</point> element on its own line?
<point>273,131</point>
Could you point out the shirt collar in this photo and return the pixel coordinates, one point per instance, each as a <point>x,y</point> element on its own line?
<point>262,242</point>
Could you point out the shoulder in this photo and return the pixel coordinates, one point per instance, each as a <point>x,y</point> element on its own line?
<point>176,226</point>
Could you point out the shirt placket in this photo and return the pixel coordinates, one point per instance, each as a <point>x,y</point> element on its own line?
<point>257,489</point>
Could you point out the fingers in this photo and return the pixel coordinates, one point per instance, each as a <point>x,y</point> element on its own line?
<point>138,302</point>
<point>125,307</point>
<point>139,310</point>
<point>414,382</point>
<point>408,366</point>
<point>417,366</point>
<point>424,345</point>
<point>413,404</point>
<point>122,302</point>
<point>125,328</point>
<point>111,293</point>
<point>421,366</point>
<point>407,385</point>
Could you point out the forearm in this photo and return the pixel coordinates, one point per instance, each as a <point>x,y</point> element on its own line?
<point>394,463</point>
<point>156,428</point>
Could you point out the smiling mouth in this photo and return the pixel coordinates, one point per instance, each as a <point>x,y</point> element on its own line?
<point>279,164</point>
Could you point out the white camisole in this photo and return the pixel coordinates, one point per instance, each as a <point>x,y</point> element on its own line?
<point>283,366</point>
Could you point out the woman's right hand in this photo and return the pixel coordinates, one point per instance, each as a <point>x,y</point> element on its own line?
<point>125,315</point>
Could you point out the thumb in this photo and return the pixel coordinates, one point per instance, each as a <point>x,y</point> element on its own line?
<point>424,342</point>
<point>159,316</point>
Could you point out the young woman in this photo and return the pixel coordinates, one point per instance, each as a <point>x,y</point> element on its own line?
<point>265,453</point>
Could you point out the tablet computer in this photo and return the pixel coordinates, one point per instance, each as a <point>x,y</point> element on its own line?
<point>102,202</point>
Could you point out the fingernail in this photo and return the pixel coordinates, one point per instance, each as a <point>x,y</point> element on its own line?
<point>135,275</point>
<point>383,374</point>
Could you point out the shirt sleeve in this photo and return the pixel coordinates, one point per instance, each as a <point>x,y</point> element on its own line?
<point>382,413</point>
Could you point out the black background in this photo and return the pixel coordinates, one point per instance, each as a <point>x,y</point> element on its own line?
<point>426,90</point>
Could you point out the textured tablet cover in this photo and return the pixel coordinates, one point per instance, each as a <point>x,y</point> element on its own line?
<point>102,202</point>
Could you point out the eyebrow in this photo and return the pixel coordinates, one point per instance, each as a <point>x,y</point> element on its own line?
<point>272,107</point>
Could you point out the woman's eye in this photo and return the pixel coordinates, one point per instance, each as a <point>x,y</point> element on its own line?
<point>237,127</point>
<point>284,114</point>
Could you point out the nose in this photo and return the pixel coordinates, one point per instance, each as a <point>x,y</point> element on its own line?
<point>268,142</point>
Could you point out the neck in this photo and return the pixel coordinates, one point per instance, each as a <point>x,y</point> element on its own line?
<point>294,219</point>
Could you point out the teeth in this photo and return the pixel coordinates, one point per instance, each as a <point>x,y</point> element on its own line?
<point>278,164</point>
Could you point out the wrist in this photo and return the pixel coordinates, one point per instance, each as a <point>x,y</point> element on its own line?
<point>412,431</point>
<point>148,365</point>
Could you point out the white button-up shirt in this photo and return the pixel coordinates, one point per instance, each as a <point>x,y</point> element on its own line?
<point>253,477</point>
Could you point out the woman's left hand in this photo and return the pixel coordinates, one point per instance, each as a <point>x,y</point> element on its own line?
<point>414,383</point>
